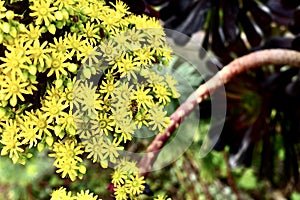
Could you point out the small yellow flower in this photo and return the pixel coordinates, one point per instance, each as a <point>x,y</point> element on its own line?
<point>109,50</point>
<point>90,33</point>
<point>68,167</point>
<point>90,55</point>
<point>118,177</point>
<point>121,7</point>
<point>39,54</point>
<point>94,147</point>
<point>66,121</point>
<point>126,128</point>
<point>42,123</point>
<point>135,185</point>
<point>122,92</point>
<point>111,20</point>
<point>57,64</point>
<point>60,45</point>
<point>142,118</point>
<point>127,67</point>
<point>32,33</point>
<point>121,193</point>
<point>94,10</point>
<point>144,56</point>
<point>106,123</point>
<point>67,158</point>
<point>20,45</point>
<point>61,194</point>
<point>14,88</point>
<point>53,109</point>
<point>162,93</point>
<point>29,133</point>
<point>108,87</point>
<point>54,94</point>
<point>75,42</point>
<point>136,38</point>
<point>60,4</point>
<point>128,166</point>
<point>142,96</point>
<point>86,127</point>
<point>14,62</point>
<point>158,118</point>
<point>85,195</point>
<point>110,149</point>
<point>10,140</point>
<point>43,11</point>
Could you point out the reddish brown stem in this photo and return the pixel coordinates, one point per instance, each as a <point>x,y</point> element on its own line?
<point>230,178</point>
<point>239,65</point>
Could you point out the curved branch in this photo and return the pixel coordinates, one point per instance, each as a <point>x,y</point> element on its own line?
<point>239,65</point>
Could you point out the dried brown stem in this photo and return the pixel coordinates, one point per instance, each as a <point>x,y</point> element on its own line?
<point>239,65</point>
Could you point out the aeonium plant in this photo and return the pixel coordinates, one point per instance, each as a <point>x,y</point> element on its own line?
<point>78,79</point>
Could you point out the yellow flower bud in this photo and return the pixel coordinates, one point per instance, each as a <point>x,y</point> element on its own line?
<point>58,83</point>
<point>51,28</point>
<point>10,14</point>
<point>13,32</point>
<point>29,155</point>
<point>32,69</point>
<point>49,140</point>
<point>5,27</point>
<point>72,67</point>
<point>22,27</point>
<point>65,14</point>
<point>59,15</point>
<point>40,147</point>
<point>87,73</point>
<point>82,169</point>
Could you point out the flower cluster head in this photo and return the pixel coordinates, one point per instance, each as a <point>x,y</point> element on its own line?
<point>79,78</point>
<point>127,183</point>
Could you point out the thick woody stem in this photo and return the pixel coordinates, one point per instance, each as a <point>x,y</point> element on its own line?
<point>239,65</point>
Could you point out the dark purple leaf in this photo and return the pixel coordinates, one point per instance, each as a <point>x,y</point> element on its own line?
<point>176,9</point>
<point>195,18</point>
<point>296,43</point>
<point>295,24</point>
<point>262,16</point>
<point>293,88</point>
<point>290,3</point>
<point>282,15</point>
<point>278,42</point>
<point>230,13</point>
<point>252,31</point>
<point>238,47</point>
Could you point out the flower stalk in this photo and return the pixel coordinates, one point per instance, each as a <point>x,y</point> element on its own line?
<point>253,60</point>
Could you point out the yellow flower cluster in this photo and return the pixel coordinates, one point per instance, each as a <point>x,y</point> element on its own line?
<point>127,184</point>
<point>62,194</point>
<point>79,77</point>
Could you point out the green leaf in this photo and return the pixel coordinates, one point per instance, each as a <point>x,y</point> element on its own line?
<point>295,196</point>
<point>248,180</point>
